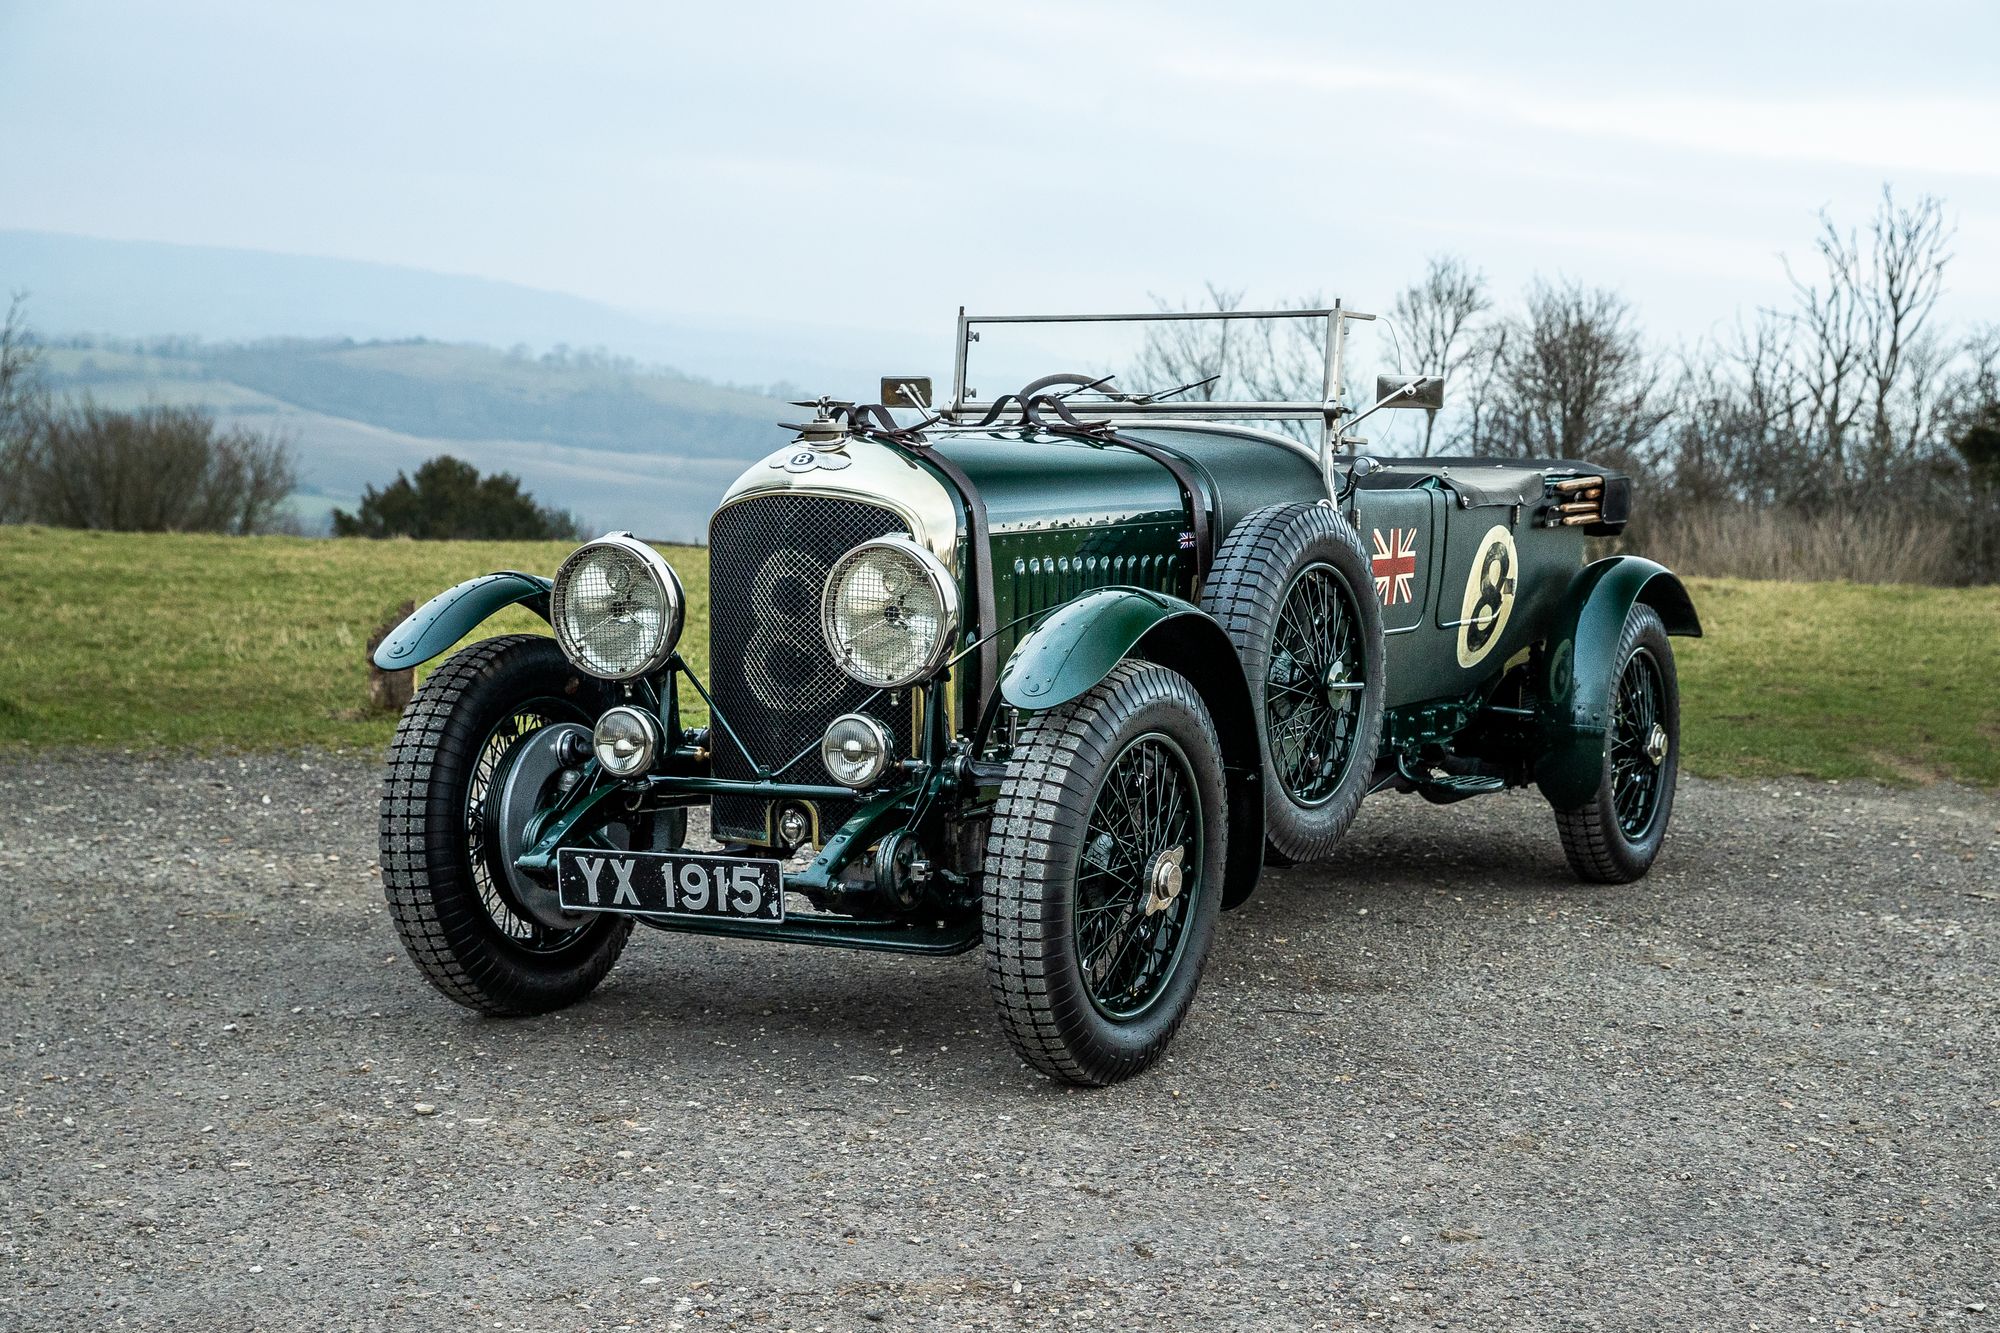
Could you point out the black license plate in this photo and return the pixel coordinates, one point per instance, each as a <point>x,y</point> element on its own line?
<point>670,884</point>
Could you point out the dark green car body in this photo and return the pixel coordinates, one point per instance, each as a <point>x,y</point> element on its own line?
<point>1074,551</point>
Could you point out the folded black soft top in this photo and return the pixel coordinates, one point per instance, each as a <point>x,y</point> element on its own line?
<point>1480,481</point>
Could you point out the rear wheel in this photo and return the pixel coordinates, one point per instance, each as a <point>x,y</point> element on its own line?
<point>480,727</point>
<point>1104,875</point>
<point>1615,836</point>
<point>1294,590</point>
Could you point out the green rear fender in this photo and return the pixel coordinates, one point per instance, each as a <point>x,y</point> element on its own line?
<point>453,614</point>
<point>1575,687</point>
<point>1078,644</point>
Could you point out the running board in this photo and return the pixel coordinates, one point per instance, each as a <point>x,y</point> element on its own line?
<point>1444,788</point>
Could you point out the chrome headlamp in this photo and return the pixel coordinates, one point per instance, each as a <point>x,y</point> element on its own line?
<point>617,607</point>
<point>626,740</point>
<point>890,613</point>
<point>855,750</point>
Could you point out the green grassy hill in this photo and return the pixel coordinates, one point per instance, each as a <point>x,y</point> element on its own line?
<point>144,641</point>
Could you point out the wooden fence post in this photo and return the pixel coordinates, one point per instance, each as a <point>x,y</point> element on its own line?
<point>390,691</point>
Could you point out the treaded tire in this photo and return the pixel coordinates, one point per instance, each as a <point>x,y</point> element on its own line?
<point>1599,849</point>
<point>1254,572</point>
<point>427,873</point>
<point>1034,858</point>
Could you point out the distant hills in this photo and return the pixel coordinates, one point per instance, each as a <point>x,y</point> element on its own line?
<point>86,285</point>
<point>625,447</point>
<point>372,368</point>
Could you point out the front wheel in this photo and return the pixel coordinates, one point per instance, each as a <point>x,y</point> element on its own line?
<point>1614,837</point>
<point>452,824</point>
<point>1104,875</point>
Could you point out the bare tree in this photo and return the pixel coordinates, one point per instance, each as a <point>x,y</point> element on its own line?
<point>1433,323</point>
<point>19,379</point>
<point>1571,379</point>
<point>1189,351</point>
<point>1268,360</point>
<point>1477,393</point>
<point>1865,359</point>
<point>1740,430</point>
<point>1973,390</point>
<point>1906,277</point>
<point>21,395</point>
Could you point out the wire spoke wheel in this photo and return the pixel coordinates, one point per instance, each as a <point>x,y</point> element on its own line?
<point>1104,870</point>
<point>1314,685</point>
<point>1294,590</point>
<point>1138,877</point>
<point>457,808</point>
<point>508,916</point>
<point>1613,836</point>
<point>1636,754</point>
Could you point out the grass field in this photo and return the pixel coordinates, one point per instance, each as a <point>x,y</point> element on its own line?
<point>130,639</point>
<point>147,642</point>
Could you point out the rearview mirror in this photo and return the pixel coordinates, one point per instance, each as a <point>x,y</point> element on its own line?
<point>1425,391</point>
<point>906,391</point>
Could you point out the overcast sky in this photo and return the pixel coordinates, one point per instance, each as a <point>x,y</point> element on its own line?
<point>876,164</point>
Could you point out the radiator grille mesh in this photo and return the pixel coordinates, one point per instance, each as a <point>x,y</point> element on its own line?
<point>771,674</point>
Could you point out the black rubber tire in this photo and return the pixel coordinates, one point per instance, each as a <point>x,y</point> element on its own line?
<point>1598,848</point>
<point>426,868</point>
<point>1033,857</point>
<point>1253,574</point>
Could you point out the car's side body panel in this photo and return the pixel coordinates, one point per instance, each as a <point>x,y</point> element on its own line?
<point>1066,516</point>
<point>1490,568</point>
<point>1244,470</point>
<point>1405,534</point>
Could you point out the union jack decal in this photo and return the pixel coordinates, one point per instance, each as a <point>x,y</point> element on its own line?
<point>1395,565</point>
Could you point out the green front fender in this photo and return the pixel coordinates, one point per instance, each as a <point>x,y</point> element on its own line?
<point>1578,668</point>
<point>452,614</point>
<point>1082,640</point>
<point>1079,643</point>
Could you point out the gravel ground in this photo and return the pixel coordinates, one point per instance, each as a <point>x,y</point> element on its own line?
<point>1433,1084</point>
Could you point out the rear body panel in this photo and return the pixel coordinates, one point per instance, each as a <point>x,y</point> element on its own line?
<point>1490,570</point>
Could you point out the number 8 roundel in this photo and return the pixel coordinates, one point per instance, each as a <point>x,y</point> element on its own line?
<point>1489,596</point>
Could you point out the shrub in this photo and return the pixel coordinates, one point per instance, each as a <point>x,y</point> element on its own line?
<point>448,500</point>
<point>158,469</point>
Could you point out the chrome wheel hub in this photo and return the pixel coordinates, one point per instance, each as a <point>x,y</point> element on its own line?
<point>1656,745</point>
<point>1337,683</point>
<point>1163,879</point>
<point>531,770</point>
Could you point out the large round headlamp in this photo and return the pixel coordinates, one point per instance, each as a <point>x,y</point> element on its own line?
<point>890,613</point>
<point>617,606</point>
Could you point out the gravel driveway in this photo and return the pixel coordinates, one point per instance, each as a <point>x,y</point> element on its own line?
<point>1434,1084</point>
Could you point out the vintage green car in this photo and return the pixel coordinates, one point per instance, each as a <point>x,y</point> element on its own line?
<point>1054,676</point>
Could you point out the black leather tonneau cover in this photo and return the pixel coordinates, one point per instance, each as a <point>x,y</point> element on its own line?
<point>1477,482</point>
